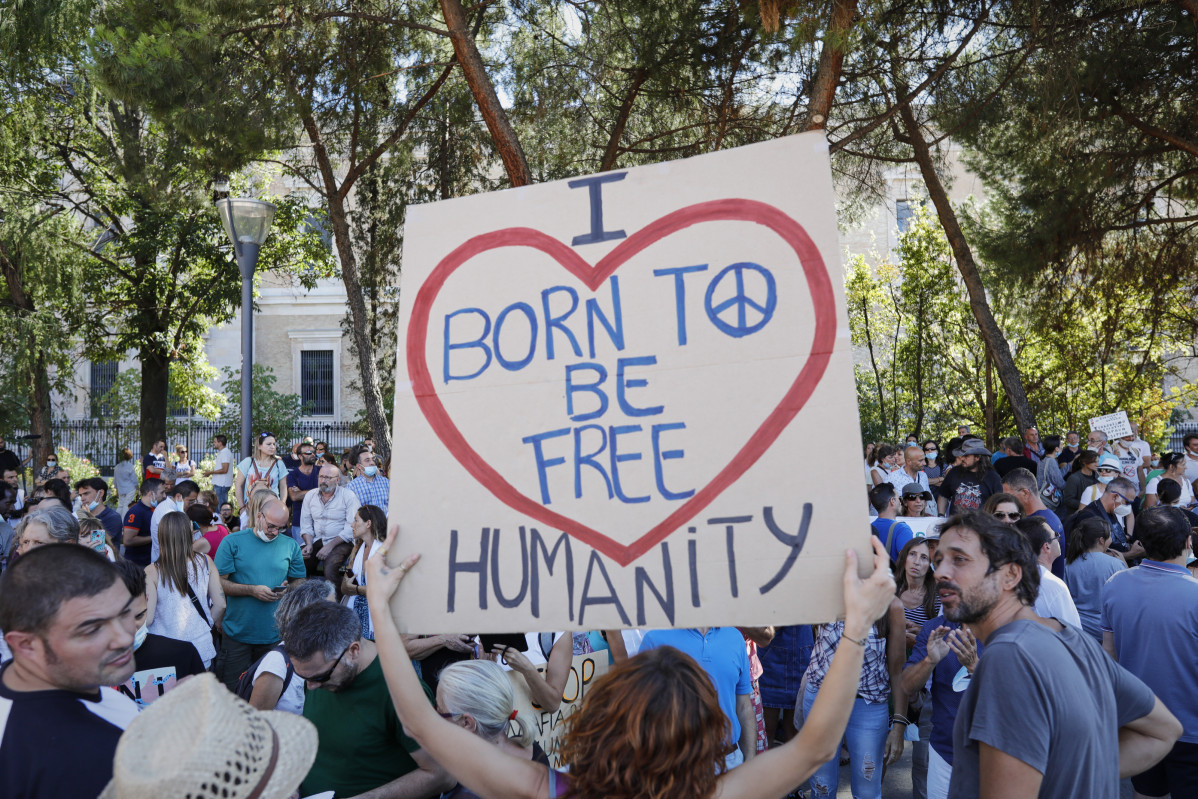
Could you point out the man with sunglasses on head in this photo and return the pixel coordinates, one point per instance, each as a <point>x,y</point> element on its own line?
<point>363,749</point>
<point>256,567</point>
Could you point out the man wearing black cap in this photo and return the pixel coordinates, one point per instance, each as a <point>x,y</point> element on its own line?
<point>971,481</point>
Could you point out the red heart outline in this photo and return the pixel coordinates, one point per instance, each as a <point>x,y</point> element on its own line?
<point>729,210</point>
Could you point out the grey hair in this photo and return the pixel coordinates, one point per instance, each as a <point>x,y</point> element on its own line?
<point>1123,484</point>
<point>300,596</point>
<point>324,627</point>
<point>60,522</point>
<point>480,689</point>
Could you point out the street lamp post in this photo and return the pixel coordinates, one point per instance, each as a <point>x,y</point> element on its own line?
<point>247,222</point>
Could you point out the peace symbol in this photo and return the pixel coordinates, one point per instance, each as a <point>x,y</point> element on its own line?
<point>745,306</point>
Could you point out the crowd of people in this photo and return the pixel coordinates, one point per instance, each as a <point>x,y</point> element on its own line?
<point>1027,629</point>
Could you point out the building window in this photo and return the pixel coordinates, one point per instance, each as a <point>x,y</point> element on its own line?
<point>904,210</point>
<point>103,377</point>
<point>316,382</point>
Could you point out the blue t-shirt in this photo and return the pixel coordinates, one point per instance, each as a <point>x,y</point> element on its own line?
<point>722,654</point>
<point>902,534</point>
<point>138,517</point>
<point>1152,610</point>
<point>949,681</point>
<point>246,559</point>
<point>112,523</point>
<point>304,482</point>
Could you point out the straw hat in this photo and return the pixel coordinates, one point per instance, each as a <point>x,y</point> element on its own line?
<point>200,741</point>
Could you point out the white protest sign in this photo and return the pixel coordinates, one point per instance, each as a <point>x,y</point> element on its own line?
<point>1115,425</point>
<point>548,725</point>
<point>627,400</point>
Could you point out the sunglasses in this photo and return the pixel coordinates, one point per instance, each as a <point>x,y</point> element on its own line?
<point>1011,517</point>
<point>326,676</point>
<point>265,435</point>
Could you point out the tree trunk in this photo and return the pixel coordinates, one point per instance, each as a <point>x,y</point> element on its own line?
<point>831,59</point>
<point>996,342</point>
<point>376,416</point>
<point>155,387</point>
<point>502,133</point>
<point>617,129</point>
<point>39,380</point>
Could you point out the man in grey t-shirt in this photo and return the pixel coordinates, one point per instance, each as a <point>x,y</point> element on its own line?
<point>1042,688</point>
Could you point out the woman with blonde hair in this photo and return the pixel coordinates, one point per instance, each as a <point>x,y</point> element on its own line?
<point>477,696</point>
<point>249,514</point>
<point>183,592</point>
<point>650,727</point>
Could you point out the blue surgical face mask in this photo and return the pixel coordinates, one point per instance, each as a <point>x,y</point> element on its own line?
<point>139,637</point>
<point>153,503</point>
<point>1105,478</point>
<point>94,504</point>
<point>370,471</point>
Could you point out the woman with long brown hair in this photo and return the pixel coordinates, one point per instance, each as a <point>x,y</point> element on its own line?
<point>370,530</point>
<point>651,727</point>
<point>183,592</point>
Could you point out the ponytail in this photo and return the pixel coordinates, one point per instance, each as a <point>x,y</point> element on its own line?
<point>1085,535</point>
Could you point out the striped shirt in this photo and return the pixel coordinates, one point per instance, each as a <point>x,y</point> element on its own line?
<point>918,615</point>
<point>376,491</point>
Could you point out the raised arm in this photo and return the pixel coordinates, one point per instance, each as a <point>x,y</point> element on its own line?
<point>478,764</point>
<point>778,770</point>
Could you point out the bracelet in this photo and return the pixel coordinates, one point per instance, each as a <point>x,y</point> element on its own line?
<point>859,642</point>
<point>901,719</point>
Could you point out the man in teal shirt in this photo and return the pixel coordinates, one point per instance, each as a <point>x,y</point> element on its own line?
<point>255,567</point>
<point>363,749</point>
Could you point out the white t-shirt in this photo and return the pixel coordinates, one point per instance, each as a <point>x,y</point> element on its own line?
<point>1091,493</point>
<point>1054,600</point>
<point>226,479</point>
<point>1187,491</point>
<point>166,506</point>
<point>1191,468</point>
<point>292,698</point>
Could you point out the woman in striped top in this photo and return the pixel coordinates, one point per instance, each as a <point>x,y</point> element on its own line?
<point>915,585</point>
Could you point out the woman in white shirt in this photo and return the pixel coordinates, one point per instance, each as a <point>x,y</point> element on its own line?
<point>174,579</point>
<point>1174,464</point>
<point>370,529</point>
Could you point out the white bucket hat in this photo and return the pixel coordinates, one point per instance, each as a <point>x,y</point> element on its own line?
<point>201,741</point>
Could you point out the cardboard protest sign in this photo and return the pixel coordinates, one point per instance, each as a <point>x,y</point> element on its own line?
<point>1115,425</point>
<point>547,726</point>
<point>627,400</point>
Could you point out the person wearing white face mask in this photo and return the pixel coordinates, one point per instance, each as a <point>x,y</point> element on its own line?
<point>1109,467</point>
<point>1114,506</point>
<point>136,533</point>
<point>93,499</point>
<point>371,487</point>
<point>256,567</point>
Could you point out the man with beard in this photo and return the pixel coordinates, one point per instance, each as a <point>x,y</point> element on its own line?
<point>363,748</point>
<point>1047,713</point>
<point>69,621</point>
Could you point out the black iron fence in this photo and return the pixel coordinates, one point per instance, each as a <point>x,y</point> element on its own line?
<point>101,440</point>
<point>1180,432</point>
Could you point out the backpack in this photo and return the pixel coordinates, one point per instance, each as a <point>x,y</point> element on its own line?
<point>245,683</point>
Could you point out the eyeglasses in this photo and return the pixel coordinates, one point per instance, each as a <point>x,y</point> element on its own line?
<point>1117,495</point>
<point>1011,517</point>
<point>447,716</point>
<point>278,528</point>
<point>326,676</point>
<point>309,452</point>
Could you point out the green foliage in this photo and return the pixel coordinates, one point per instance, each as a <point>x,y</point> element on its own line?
<point>80,466</point>
<point>188,389</point>
<point>273,411</point>
<point>1083,349</point>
